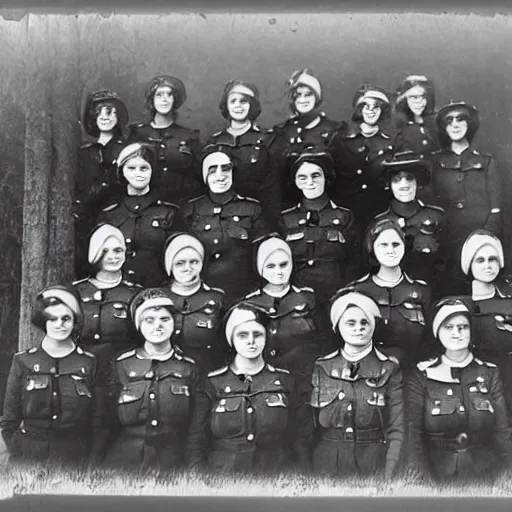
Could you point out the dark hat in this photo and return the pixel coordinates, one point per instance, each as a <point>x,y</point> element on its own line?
<point>318,155</point>
<point>410,85</point>
<point>470,110</point>
<point>407,162</point>
<point>177,87</point>
<point>370,91</point>
<point>376,227</point>
<point>96,98</point>
<point>249,90</point>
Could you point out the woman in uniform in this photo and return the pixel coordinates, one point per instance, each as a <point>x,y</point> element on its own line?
<point>321,234</point>
<point>198,309</point>
<point>356,397</point>
<point>294,338</point>
<point>106,296</point>
<point>414,117</point>
<point>257,175</point>
<point>466,184</point>
<point>226,223</point>
<point>51,408</point>
<point>403,302</point>
<point>177,148</point>
<point>422,224</point>
<point>246,413</point>
<point>306,127</point>
<point>456,406</point>
<point>360,151</point>
<point>151,392</point>
<point>104,119</point>
<point>482,260</point>
<point>144,219</point>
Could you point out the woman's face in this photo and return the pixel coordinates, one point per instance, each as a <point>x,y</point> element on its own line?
<point>60,321</point>
<point>219,177</point>
<point>355,328</point>
<point>106,119</point>
<point>389,248</point>
<point>485,266</point>
<point>455,333</point>
<point>371,111</point>
<point>238,107</point>
<point>277,268</point>
<point>137,172</point>
<point>305,99</point>
<point>404,186</point>
<point>417,103</point>
<point>249,339</point>
<point>157,325</point>
<point>456,125</point>
<point>163,100</point>
<point>186,265</point>
<point>310,180</point>
<point>114,255</point>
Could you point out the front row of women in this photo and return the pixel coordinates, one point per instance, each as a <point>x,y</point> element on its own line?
<point>153,410</point>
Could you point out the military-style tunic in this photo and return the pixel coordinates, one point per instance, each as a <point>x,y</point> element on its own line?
<point>422,225</point>
<point>403,308</point>
<point>492,332</point>
<point>294,336</point>
<point>457,417</point>
<point>178,149</point>
<point>145,222</point>
<point>256,174</point>
<point>290,138</point>
<point>197,326</point>
<point>360,170</point>
<point>358,411</point>
<point>150,404</point>
<point>52,410</point>
<point>467,187</point>
<point>226,224</point>
<point>245,423</point>
<point>324,246</point>
<point>96,181</point>
<point>421,139</point>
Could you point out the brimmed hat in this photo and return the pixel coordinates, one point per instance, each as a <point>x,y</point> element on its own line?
<point>471,111</point>
<point>368,91</point>
<point>376,227</point>
<point>177,87</point>
<point>317,155</point>
<point>412,85</point>
<point>93,100</point>
<point>249,90</point>
<point>406,162</point>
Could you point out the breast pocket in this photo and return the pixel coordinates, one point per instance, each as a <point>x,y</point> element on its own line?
<point>37,397</point>
<point>482,404</point>
<point>228,417</point>
<point>273,414</point>
<point>130,405</point>
<point>412,312</point>
<point>174,400</point>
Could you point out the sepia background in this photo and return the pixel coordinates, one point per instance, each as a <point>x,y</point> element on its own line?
<point>48,63</point>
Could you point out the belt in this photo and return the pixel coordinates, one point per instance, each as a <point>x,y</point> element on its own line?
<point>462,443</point>
<point>243,443</point>
<point>359,436</point>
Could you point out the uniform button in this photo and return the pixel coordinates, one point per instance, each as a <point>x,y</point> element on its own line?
<point>162,146</point>
<point>364,186</point>
<point>449,392</point>
<point>272,352</point>
<point>128,240</point>
<point>460,205</point>
<point>154,423</point>
<point>178,331</point>
<point>250,410</point>
<point>103,184</point>
<point>460,179</point>
<point>273,331</point>
<point>208,346</point>
<point>359,171</point>
<point>349,407</point>
<point>152,396</point>
<point>250,437</point>
<point>424,142</point>
<point>292,140</point>
<point>96,336</point>
<point>462,438</point>
<point>54,417</point>
<point>207,227</point>
<point>422,130</point>
<point>216,255</point>
<point>272,310</point>
<point>54,393</point>
<point>236,218</point>
<point>131,272</point>
<point>137,206</point>
<point>96,315</point>
<point>461,408</point>
<point>311,262</point>
<point>164,169</point>
<point>216,241</point>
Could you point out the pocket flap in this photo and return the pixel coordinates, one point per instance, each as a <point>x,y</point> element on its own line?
<point>82,389</point>
<point>444,406</point>
<point>276,400</point>
<point>482,404</point>
<point>132,393</point>
<point>179,389</point>
<point>326,395</point>
<point>37,382</point>
<point>229,404</point>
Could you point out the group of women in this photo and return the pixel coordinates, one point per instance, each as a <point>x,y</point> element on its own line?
<point>321,296</point>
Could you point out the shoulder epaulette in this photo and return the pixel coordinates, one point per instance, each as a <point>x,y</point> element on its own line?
<point>328,356</point>
<point>381,356</point>
<point>253,294</point>
<point>379,215</point>
<point>21,352</point>
<point>74,283</point>
<point>32,350</point>
<point>288,210</point>
<point>126,355</point>
<point>129,283</point>
<point>423,365</point>
<point>475,152</point>
<point>246,198</point>
<point>185,358</point>
<point>364,278</point>
<point>194,199</point>
<point>215,289</point>
<point>384,135</point>
<point>86,145</point>
<point>220,371</point>
<point>217,134</point>
<point>434,207</point>
<point>85,352</point>
<point>486,363</point>
<point>302,289</point>
<point>279,370</point>
<point>437,151</point>
<point>110,207</point>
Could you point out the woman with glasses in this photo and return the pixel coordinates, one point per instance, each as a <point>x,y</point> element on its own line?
<point>466,184</point>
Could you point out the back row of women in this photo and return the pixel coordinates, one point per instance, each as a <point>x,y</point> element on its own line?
<point>267,398</point>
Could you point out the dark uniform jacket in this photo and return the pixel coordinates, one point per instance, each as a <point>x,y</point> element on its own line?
<point>178,150</point>
<point>401,330</point>
<point>358,414</point>
<point>458,418</point>
<point>289,139</point>
<point>324,245</point>
<point>421,139</point>
<point>145,222</point>
<point>245,423</point>
<point>294,337</point>
<point>422,225</point>
<point>149,408</point>
<point>256,174</point>
<point>197,326</point>
<point>52,408</point>
<point>226,224</point>
<point>361,179</point>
